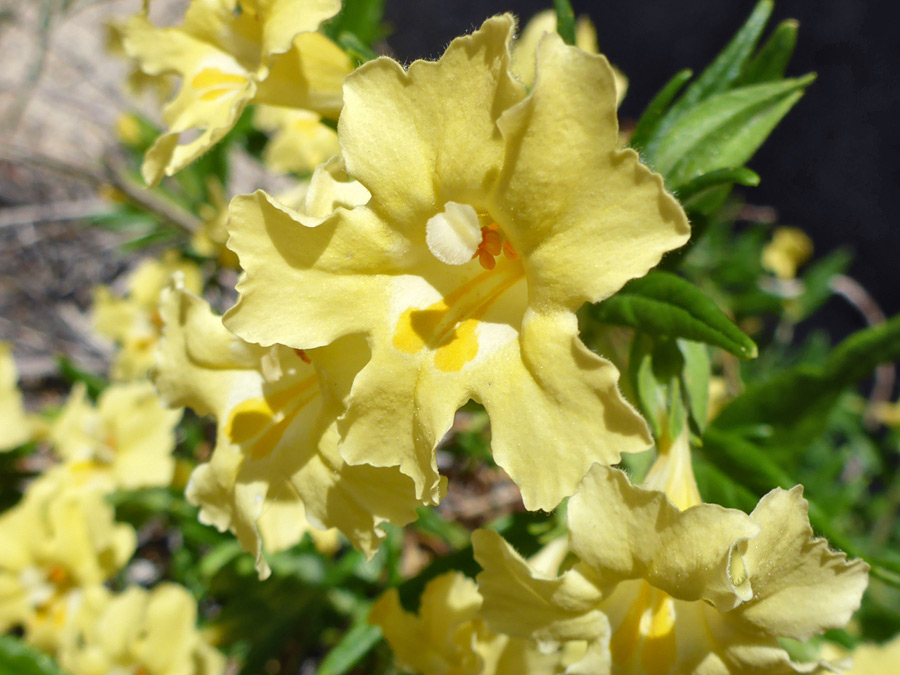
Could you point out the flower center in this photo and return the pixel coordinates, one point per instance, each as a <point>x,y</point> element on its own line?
<point>455,236</point>
<point>448,326</point>
<point>216,83</point>
<point>261,422</point>
<point>649,624</point>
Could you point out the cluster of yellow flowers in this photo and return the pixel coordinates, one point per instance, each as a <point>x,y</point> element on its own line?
<point>462,213</point>
<point>60,546</point>
<point>473,205</point>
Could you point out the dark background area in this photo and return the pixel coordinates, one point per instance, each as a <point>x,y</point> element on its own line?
<point>830,167</point>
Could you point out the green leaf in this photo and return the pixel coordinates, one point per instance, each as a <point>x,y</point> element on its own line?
<point>862,352</point>
<point>717,178</point>
<point>653,115</point>
<point>724,130</point>
<point>663,304</point>
<point>773,58</point>
<point>356,643</point>
<point>17,658</point>
<point>726,68</point>
<point>565,20</point>
<point>695,379</point>
<point>793,402</point>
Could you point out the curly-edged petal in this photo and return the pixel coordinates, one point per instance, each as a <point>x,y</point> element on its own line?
<point>441,637</point>
<point>315,271</point>
<point>801,587</point>
<point>397,413</point>
<point>200,363</point>
<point>434,126</point>
<point>310,76</point>
<point>625,532</point>
<point>300,141</point>
<point>283,19</point>
<point>585,216</point>
<point>552,402</point>
<point>166,50</point>
<point>521,602</point>
<point>188,112</point>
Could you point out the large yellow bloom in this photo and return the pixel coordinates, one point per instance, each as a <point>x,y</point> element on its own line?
<point>124,442</point>
<point>15,427</point>
<point>137,631</point>
<point>276,463</point>
<point>60,538</point>
<point>494,215</point>
<point>132,321</point>
<point>230,53</point>
<point>665,584</point>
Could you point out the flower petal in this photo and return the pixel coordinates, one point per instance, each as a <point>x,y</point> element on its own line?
<point>552,402</point>
<point>561,143</point>
<point>521,602</point>
<point>310,76</point>
<point>800,586</point>
<point>308,268</point>
<point>440,119</point>
<point>625,532</point>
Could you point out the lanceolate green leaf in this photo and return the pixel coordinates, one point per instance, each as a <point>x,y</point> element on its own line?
<point>772,60</point>
<point>721,73</point>
<point>653,115</point>
<point>565,20</point>
<point>663,304</point>
<point>717,178</point>
<point>356,643</point>
<point>17,658</point>
<point>725,130</point>
<point>793,401</point>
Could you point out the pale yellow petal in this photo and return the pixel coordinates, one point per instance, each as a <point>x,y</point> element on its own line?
<point>552,402</point>
<point>310,76</point>
<point>621,222</point>
<point>521,602</point>
<point>307,268</point>
<point>801,587</point>
<point>871,659</point>
<point>284,19</point>
<point>434,126</point>
<point>439,639</point>
<point>625,532</point>
<point>201,364</point>
<point>165,50</point>
<point>300,142</point>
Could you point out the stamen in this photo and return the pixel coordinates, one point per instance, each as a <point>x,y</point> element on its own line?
<point>509,251</point>
<point>486,259</point>
<point>302,354</point>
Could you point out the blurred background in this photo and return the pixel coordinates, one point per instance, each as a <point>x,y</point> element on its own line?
<point>830,167</point>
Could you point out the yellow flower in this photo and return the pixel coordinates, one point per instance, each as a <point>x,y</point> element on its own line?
<point>209,239</point>
<point>230,53</point>
<point>137,631</point>
<point>125,442</point>
<point>300,142</point>
<point>447,636</point>
<point>666,584</point>
<point>14,422</point>
<point>276,462</point>
<point>525,47</point>
<point>58,539</point>
<point>494,215</point>
<point>788,250</point>
<point>132,322</point>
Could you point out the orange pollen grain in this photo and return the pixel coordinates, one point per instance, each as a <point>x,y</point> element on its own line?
<point>302,354</point>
